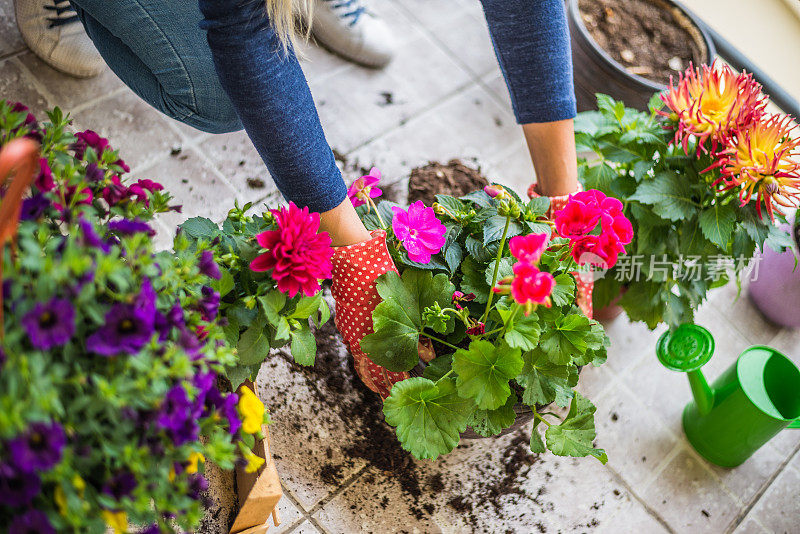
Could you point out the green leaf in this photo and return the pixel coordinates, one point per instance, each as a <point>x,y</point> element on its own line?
<point>537,206</point>
<point>544,381</point>
<point>594,123</point>
<point>575,434</point>
<point>231,330</point>
<point>397,320</point>
<point>716,223</point>
<point>655,103</point>
<point>429,417</point>
<point>239,374</point>
<point>306,306</point>
<point>200,227</point>
<point>568,336</point>
<point>669,194</point>
<point>254,344</point>
<point>474,280</point>
<point>491,422</point>
<point>494,226</point>
<point>272,303</point>
<point>453,256</point>
<point>225,284</point>
<point>599,176</point>
<point>524,332</point>
<point>506,269</point>
<point>484,371</point>
<point>324,314</point>
<point>438,367</point>
<point>537,445</point>
<point>480,198</point>
<point>304,346</point>
<point>778,239</point>
<point>452,204</point>
<point>564,291</point>
<point>282,331</point>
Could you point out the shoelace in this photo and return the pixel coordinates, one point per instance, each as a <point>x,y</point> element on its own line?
<point>63,13</point>
<point>348,9</point>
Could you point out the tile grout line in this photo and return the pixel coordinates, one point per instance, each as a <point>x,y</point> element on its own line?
<point>83,106</point>
<point>34,81</point>
<point>757,498</point>
<point>652,512</point>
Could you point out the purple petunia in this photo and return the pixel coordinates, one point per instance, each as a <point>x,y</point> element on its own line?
<point>128,327</point>
<point>3,358</point>
<point>151,529</point>
<point>197,485</point>
<point>31,522</point>
<point>94,173</point>
<point>17,488</point>
<point>178,416</point>
<point>90,237</point>
<point>226,406</point>
<point>50,324</point>
<point>120,485</point>
<point>209,304</point>
<point>38,448</point>
<point>130,227</point>
<point>33,207</point>
<point>208,266</point>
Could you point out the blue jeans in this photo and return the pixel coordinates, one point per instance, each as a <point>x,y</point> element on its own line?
<point>218,66</point>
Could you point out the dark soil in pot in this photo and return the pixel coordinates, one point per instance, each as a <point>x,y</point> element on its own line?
<point>455,179</point>
<point>642,36</point>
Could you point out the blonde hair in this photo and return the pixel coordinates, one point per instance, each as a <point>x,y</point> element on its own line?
<point>282,15</point>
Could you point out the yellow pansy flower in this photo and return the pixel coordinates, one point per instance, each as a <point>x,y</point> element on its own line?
<point>251,409</point>
<point>118,521</point>
<point>194,461</point>
<point>253,462</point>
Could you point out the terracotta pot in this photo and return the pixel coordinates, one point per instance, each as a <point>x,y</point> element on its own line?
<point>776,290</point>
<point>613,310</point>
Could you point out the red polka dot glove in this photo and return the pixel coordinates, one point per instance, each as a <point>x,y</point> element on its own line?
<point>355,268</point>
<point>583,283</point>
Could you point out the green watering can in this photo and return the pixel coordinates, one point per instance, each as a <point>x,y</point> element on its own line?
<point>757,397</point>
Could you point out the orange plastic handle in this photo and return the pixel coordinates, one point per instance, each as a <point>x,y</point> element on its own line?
<point>18,162</point>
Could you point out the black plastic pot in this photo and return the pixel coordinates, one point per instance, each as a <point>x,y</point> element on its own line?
<point>595,71</point>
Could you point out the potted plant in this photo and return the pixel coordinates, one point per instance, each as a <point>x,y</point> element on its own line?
<point>109,356</point>
<point>701,180</point>
<point>629,49</point>
<point>488,281</point>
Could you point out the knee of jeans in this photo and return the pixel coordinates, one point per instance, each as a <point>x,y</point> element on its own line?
<point>218,118</point>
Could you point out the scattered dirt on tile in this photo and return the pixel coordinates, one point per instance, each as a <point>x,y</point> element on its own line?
<point>642,35</point>
<point>387,99</point>
<point>256,183</point>
<point>454,179</point>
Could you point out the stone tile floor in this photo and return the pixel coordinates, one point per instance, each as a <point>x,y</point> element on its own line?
<point>447,100</point>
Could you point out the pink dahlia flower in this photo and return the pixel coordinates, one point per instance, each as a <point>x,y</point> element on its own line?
<point>296,253</point>
<point>528,248</point>
<point>364,188</point>
<point>421,233</point>
<point>530,285</point>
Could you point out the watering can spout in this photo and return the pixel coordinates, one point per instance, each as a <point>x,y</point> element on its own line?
<point>687,349</point>
<point>701,391</point>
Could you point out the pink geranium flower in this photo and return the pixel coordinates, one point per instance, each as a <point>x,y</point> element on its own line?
<point>364,188</point>
<point>528,248</point>
<point>421,233</point>
<point>530,285</point>
<point>577,218</point>
<point>296,253</point>
<point>599,250</point>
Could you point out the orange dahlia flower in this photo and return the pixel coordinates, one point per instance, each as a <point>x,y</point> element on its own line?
<point>710,101</point>
<point>761,160</point>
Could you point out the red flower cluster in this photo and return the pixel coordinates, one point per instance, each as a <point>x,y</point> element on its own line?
<point>296,253</point>
<point>529,285</point>
<point>578,221</point>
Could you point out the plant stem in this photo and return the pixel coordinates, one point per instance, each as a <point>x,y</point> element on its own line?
<point>443,342</point>
<point>540,418</point>
<point>377,213</point>
<point>496,269</point>
<point>448,373</point>
<point>511,318</point>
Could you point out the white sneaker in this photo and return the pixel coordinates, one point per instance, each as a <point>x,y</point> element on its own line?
<point>52,31</point>
<point>349,29</point>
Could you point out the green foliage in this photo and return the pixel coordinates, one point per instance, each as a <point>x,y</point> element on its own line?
<point>575,434</point>
<point>508,359</point>
<point>259,316</point>
<point>677,214</point>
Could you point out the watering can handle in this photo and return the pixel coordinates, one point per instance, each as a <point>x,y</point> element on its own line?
<point>794,424</point>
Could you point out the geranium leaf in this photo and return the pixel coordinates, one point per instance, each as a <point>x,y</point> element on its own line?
<point>429,416</point>
<point>491,422</point>
<point>397,321</point>
<point>484,371</point>
<point>575,434</point>
<point>716,223</point>
<point>438,367</point>
<point>537,444</point>
<point>523,332</point>
<point>567,336</point>
<point>544,381</point>
<point>564,291</point>
<point>304,346</point>
<point>474,280</point>
<point>669,195</point>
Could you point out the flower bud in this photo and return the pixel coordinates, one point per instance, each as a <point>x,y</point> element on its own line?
<point>495,191</point>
